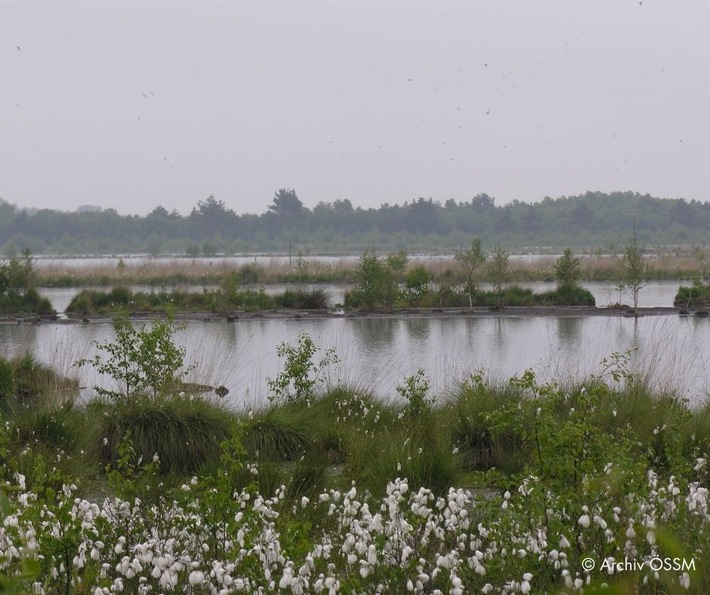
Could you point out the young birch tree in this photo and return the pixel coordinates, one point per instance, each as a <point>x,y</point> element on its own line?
<point>634,271</point>
<point>471,261</point>
<point>497,268</point>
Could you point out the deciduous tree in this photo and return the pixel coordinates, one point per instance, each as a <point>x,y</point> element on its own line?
<point>471,261</point>
<point>497,268</point>
<point>634,270</point>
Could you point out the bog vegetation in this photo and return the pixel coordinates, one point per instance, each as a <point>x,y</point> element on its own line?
<point>18,292</point>
<point>513,487</point>
<point>472,278</point>
<point>379,283</point>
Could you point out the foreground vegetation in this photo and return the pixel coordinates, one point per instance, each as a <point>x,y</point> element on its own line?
<point>501,488</point>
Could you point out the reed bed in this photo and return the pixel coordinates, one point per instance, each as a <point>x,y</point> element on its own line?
<point>162,272</point>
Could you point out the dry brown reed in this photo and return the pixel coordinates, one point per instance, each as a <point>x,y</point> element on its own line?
<point>211,271</point>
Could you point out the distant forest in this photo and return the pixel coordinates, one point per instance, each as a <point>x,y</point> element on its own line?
<point>590,222</point>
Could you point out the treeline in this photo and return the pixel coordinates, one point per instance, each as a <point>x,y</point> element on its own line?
<point>591,221</point>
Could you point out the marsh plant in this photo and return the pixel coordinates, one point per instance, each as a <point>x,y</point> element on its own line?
<point>696,296</point>
<point>417,286</point>
<point>144,362</point>
<point>610,496</point>
<point>302,375</point>
<point>497,270</point>
<point>146,401</point>
<point>415,390</point>
<point>18,292</point>
<point>567,269</point>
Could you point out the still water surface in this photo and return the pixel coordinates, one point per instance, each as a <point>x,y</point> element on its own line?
<point>376,354</point>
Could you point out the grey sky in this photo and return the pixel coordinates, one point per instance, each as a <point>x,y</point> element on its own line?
<point>134,103</point>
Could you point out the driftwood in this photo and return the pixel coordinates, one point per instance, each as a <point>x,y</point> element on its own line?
<point>194,387</point>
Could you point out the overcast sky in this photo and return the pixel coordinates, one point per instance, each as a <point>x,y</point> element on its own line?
<point>132,104</point>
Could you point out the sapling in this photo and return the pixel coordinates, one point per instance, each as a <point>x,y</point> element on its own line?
<point>415,389</point>
<point>634,271</point>
<point>144,362</point>
<point>301,376</point>
<point>471,261</point>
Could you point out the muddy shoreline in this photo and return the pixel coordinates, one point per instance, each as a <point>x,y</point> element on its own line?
<point>506,312</point>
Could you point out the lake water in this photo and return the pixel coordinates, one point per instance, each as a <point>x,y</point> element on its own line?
<point>376,354</point>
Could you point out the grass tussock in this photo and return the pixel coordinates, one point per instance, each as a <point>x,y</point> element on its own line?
<point>481,443</point>
<point>24,377</point>
<point>481,427</point>
<point>185,433</point>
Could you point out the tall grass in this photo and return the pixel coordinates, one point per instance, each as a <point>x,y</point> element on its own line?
<point>425,458</point>
<point>298,440</point>
<point>7,379</point>
<point>185,433</point>
<point>347,434</point>
<point>25,377</point>
<point>481,444</point>
<point>180,271</point>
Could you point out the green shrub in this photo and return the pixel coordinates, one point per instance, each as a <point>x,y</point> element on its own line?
<point>415,390</point>
<point>697,296</point>
<point>417,286</point>
<point>567,270</point>
<point>376,281</point>
<point>567,296</point>
<point>17,286</point>
<point>316,298</point>
<point>302,375</point>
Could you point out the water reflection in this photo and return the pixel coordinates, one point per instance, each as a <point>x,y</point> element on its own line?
<point>417,329</point>
<point>569,330</point>
<point>377,353</point>
<point>373,333</point>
